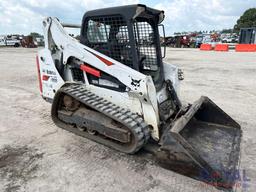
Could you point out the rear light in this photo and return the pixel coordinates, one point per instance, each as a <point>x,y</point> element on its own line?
<point>39,75</point>
<point>45,77</point>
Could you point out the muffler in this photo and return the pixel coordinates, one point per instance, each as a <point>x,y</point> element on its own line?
<point>204,144</point>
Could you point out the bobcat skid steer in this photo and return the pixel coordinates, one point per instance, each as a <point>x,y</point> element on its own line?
<point>113,87</point>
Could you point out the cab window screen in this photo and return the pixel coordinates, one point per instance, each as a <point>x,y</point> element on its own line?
<point>97,32</point>
<point>146,45</point>
<point>109,35</point>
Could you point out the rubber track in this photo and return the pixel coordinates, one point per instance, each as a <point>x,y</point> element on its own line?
<point>124,116</point>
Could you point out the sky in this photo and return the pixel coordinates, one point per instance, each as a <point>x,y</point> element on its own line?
<point>25,16</point>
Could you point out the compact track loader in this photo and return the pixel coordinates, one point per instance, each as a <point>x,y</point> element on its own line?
<point>113,87</point>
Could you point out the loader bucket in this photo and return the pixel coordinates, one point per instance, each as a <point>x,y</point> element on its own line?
<point>204,143</point>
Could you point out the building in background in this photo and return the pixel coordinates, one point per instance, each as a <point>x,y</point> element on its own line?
<point>247,35</point>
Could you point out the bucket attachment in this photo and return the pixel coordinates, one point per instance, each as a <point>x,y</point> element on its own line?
<point>204,144</point>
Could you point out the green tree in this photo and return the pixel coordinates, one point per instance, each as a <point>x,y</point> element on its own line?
<point>35,35</point>
<point>227,31</point>
<point>248,19</point>
<point>177,33</point>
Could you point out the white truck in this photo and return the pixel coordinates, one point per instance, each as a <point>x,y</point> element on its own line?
<point>9,41</point>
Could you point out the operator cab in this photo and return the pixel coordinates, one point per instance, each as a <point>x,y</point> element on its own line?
<point>128,34</point>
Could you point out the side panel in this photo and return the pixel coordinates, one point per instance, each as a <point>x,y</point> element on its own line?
<point>10,42</point>
<point>171,73</point>
<point>50,78</point>
<point>125,99</point>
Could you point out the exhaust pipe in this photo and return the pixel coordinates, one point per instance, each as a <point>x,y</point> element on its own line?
<point>204,144</point>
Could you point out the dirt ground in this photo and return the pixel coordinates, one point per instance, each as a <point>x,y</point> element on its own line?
<point>37,156</point>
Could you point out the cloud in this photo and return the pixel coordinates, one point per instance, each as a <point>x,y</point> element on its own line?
<point>191,15</point>
<point>24,16</point>
<point>16,18</point>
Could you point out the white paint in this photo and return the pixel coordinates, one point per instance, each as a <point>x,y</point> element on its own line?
<point>141,99</point>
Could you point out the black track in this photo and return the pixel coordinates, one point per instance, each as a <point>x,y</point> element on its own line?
<point>131,121</point>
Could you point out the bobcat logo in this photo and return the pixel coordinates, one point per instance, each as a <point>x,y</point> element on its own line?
<point>135,83</point>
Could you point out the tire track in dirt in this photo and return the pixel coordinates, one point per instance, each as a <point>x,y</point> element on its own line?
<point>18,166</point>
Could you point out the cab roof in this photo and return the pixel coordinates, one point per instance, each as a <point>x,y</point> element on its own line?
<point>128,11</point>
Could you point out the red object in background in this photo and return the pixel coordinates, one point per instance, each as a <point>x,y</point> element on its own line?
<point>185,41</point>
<point>28,42</point>
<point>206,47</point>
<point>221,47</point>
<point>90,70</point>
<point>246,48</point>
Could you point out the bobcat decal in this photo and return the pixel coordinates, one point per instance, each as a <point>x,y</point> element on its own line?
<point>135,83</point>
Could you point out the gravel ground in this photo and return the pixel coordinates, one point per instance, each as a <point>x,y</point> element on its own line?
<point>37,156</point>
